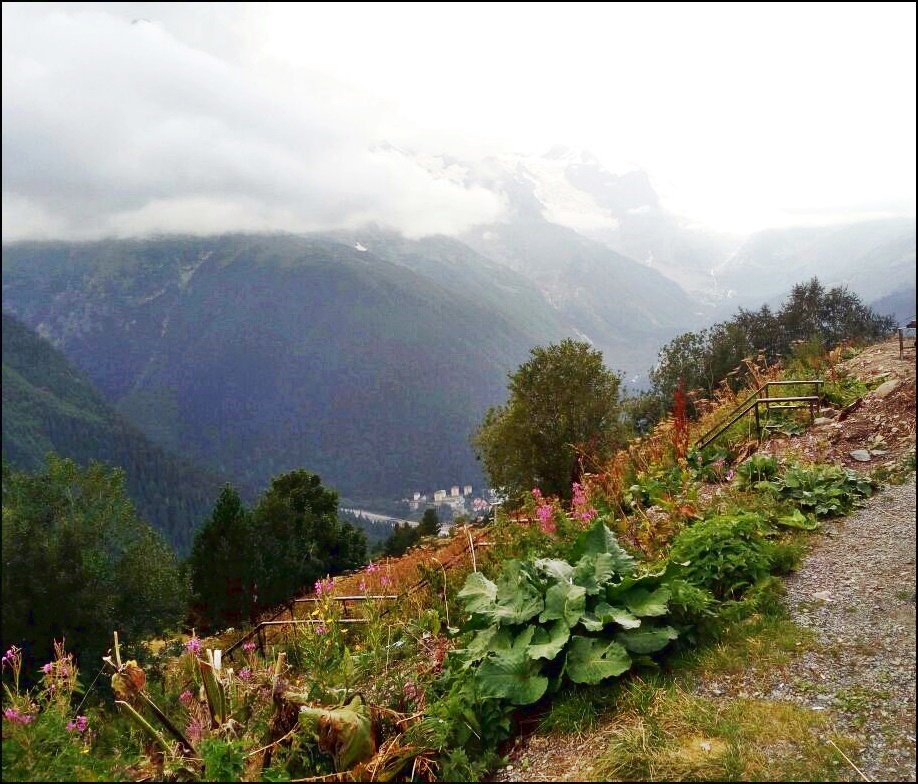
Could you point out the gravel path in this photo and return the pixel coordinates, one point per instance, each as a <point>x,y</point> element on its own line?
<point>856,592</point>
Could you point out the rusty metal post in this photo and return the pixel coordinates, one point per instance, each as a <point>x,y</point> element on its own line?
<point>758,431</point>
<point>901,342</point>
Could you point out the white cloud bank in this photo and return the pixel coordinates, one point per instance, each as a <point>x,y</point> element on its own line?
<point>113,127</point>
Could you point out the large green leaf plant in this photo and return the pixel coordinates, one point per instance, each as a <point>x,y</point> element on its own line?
<point>546,620</point>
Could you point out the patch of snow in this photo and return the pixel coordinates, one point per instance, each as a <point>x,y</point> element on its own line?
<point>361,248</point>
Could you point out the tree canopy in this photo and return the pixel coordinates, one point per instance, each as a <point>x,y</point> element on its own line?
<point>563,405</point>
<point>79,564</point>
<point>702,360</point>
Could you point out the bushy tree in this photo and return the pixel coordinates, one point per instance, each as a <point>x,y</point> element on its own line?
<point>79,564</point>
<point>221,563</point>
<point>704,359</point>
<point>563,404</point>
<point>299,538</point>
<point>430,523</point>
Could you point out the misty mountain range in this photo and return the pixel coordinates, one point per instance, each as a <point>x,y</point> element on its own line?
<point>369,357</point>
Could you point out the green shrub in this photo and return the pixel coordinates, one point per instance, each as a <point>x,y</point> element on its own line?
<point>823,490</point>
<point>724,554</point>
<point>758,468</point>
<point>223,759</point>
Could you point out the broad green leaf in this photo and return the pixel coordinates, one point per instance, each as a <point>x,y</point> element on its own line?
<point>478,594</point>
<point>647,639</point>
<point>592,623</point>
<point>517,599</point>
<point>620,615</point>
<point>590,660</point>
<point>643,603</point>
<point>649,581</point>
<point>599,539</point>
<point>511,676</point>
<point>483,642</point>
<point>564,602</point>
<point>594,571</point>
<point>548,643</point>
<point>797,520</point>
<point>556,568</point>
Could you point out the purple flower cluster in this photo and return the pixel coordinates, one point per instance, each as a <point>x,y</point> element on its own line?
<point>80,724</point>
<point>245,673</point>
<point>320,629</point>
<point>248,647</point>
<point>385,581</point>
<point>372,568</point>
<point>580,504</point>
<point>11,657</point>
<point>544,512</point>
<point>11,714</point>
<point>325,586</point>
<point>193,645</point>
<point>186,698</point>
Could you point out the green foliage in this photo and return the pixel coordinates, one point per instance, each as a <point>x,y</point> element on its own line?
<point>79,564</point>
<point>757,468</point>
<point>221,564</point>
<point>49,406</point>
<point>430,523</point>
<point>823,490</point>
<point>548,617</point>
<point>724,554</point>
<point>709,464</point>
<point>223,759</point>
<point>299,537</point>
<point>405,536</point>
<point>562,403</point>
<point>811,319</point>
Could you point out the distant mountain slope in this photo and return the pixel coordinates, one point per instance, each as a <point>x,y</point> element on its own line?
<point>49,406</point>
<point>874,259</point>
<point>257,354</point>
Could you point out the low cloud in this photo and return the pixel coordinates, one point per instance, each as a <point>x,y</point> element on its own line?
<point>114,127</point>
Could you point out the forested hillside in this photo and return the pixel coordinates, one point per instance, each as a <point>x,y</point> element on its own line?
<point>48,405</point>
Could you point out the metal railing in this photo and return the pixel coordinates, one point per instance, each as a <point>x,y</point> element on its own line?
<point>756,401</point>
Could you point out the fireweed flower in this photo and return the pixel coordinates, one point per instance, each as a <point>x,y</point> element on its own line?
<point>46,668</point>
<point>362,586</point>
<point>320,628</point>
<point>186,698</point>
<point>245,673</point>
<point>324,586</point>
<point>385,581</point>
<point>580,504</point>
<point>372,568</point>
<point>11,656</point>
<point>193,646</point>
<point>11,714</point>
<point>80,724</point>
<point>248,647</point>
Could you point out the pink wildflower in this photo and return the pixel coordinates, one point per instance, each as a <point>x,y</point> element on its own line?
<point>324,586</point>
<point>372,568</point>
<point>80,724</point>
<point>362,586</point>
<point>248,647</point>
<point>580,504</point>
<point>193,645</point>
<point>385,581</point>
<point>245,673</point>
<point>11,714</point>
<point>730,474</point>
<point>186,698</point>
<point>11,656</point>
<point>195,730</point>
<point>320,629</point>
<point>46,668</point>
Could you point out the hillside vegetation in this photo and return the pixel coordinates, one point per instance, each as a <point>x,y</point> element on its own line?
<point>556,611</point>
<point>49,406</point>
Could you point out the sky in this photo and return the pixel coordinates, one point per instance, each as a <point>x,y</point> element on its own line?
<point>128,119</point>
